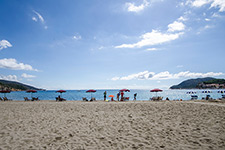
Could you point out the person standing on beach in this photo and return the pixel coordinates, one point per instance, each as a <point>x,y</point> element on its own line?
<point>122,96</point>
<point>104,95</point>
<point>135,96</point>
<point>118,96</point>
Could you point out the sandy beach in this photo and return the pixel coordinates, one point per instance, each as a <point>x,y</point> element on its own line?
<point>112,125</point>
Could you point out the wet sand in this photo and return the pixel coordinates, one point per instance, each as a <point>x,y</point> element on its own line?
<point>112,125</point>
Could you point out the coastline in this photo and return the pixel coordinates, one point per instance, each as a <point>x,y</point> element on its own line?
<point>112,125</point>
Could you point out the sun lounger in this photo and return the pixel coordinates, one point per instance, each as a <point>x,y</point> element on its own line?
<point>223,96</point>
<point>85,99</point>
<point>158,98</point>
<point>93,99</point>
<point>26,99</point>
<point>1,99</point>
<point>6,99</point>
<point>60,99</point>
<point>194,97</point>
<point>126,98</point>
<point>35,99</point>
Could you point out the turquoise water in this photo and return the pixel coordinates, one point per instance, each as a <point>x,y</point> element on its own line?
<point>141,94</point>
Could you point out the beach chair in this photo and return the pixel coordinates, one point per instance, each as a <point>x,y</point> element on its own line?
<point>85,99</point>
<point>35,99</point>
<point>194,97</point>
<point>223,96</point>
<point>6,99</point>
<point>158,98</point>
<point>26,99</point>
<point>60,99</point>
<point>126,98</point>
<point>93,99</point>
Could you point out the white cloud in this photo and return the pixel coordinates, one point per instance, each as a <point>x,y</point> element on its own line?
<point>220,4</point>
<point>24,75</point>
<point>40,18</point>
<point>4,44</point>
<point>176,26</point>
<point>152,49</point>
<point>214,3</point>
<point>199,3</point>
<point>152,38</point>
<point>9,77</point>
<point>182,19</point>
<point>133,8</point>
<point>14,65</point>
<point>146,75</point>
<point>215,15</point>
<point>208,27</point>
<point>77,37</point>
<point>35,19</point>
<point>207,19</point>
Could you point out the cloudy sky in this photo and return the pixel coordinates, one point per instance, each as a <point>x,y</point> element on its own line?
<point>111,44</point>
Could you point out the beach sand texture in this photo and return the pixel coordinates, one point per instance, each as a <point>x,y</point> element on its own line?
<point>111,125</point>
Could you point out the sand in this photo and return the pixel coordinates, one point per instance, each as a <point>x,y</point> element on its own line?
<point>112,125</point>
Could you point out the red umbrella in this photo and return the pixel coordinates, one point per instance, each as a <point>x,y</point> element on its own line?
<point>124,90</point>
<point>156,90</point>
<point>31,91</point>
<point>91,91</point>
<point>61,91</point>
<point>5,91</point>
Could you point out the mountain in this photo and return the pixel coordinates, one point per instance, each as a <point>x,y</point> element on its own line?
<point>191,83</point>
<point>15,86</point>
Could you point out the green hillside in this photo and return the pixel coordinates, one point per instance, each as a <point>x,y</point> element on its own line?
<point>215,81</point>
<point>15,86</point>
<point>191,83</point>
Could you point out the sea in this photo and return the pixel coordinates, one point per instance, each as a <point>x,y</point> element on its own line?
<point>77,95</point>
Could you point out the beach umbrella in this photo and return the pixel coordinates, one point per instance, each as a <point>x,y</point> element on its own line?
<point>5,91</point>
<point>124,90</point>
<point>31,91</point>
<point>206,92</point>
<point>191,92</point>
<point>61,91</point>
<point>156,90</point>
<point>91,91</point>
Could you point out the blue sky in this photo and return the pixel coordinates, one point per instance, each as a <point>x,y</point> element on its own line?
<point>113,44</point>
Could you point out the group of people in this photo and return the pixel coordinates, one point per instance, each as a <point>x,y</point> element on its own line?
<point>118,96</point>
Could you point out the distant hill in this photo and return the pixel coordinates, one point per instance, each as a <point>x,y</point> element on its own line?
<point>215,81</point>
<point>15,86</point>
<point>192,83</point>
